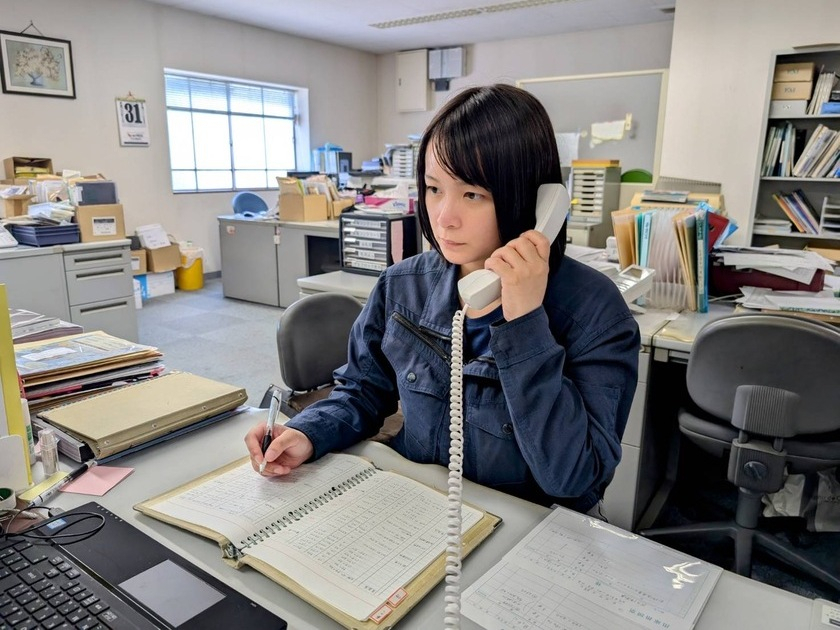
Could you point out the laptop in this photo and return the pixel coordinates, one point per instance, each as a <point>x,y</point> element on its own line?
<point>118,578</point>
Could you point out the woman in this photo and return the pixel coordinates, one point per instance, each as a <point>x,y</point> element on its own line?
<point>550,368</point>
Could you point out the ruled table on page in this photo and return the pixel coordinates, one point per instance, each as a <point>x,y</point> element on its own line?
<point>573,571</point>
<point>367,545</point>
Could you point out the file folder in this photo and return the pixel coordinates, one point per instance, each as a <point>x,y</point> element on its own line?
<point>122,418</point>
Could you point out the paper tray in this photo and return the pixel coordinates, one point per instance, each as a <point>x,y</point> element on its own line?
<point>42,235</point>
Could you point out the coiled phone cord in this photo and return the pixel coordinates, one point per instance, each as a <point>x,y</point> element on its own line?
<point>452,597</point>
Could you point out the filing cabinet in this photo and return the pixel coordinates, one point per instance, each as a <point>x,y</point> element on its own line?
<point>595,194</point>
<point>371,242</point>
<point>100,291</point>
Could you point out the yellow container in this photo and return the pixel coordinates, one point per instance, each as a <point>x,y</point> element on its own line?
<point>190,278</point>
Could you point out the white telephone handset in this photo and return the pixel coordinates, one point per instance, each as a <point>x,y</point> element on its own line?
<point>478,290</point>
<point>481,287</point>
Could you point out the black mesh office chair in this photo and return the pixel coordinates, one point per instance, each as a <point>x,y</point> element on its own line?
<point>767,396</point>
<point>312,336</point>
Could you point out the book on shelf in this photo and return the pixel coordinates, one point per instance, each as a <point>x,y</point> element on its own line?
<point>764,225</point>
<point>825,164</point>
<point>822,91</point>
<point>574,571</point>
<point>359,543</point>
<point>806,210</point>
<point>789,212</point>
<point>123,417</point>
<point>817,145</point>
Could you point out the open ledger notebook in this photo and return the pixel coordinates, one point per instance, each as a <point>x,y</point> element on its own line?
<point>360,544</point>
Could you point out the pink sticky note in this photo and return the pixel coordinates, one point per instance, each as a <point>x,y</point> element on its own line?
<point>98,480</point>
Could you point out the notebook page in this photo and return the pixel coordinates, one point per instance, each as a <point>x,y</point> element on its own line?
<point>358,550</point>
<point>240,502</point>
<point>573,571</point>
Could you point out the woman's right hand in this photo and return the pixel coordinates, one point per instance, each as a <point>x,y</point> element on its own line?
<point>289,449</point>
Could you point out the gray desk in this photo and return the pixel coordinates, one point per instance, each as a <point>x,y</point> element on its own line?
<point>356,284</point>
<point>89,284</point>
<point>737,602</point>
<point>263,258</point>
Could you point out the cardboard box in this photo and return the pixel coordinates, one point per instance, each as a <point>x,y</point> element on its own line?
<point>792,90</point>
<point>339,206</point>
<point>794,72</point>
<point>163,258</point>
<point>104,222</point>
<point>156,284</point>
<point>780,109</point>
<point>303,208</point>
<point>25,167</point>
<point>16,205</point>
<point>138,262</point>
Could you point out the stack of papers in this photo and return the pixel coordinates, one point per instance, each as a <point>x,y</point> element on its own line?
<point>574,571</point>
<point>794,302</point>
<point>30,326</point>
<point>55,370</point>
<point>670,196</point>
<point>793,264</point>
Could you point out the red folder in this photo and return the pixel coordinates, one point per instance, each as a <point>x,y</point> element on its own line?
<point>725,280</point>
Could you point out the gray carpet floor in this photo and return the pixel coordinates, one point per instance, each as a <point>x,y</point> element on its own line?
<point>234,341</point>
<point>207,334</point>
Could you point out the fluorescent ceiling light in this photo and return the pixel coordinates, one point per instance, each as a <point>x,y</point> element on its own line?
<point>451,15</point>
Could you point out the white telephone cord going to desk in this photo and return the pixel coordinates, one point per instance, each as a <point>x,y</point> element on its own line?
<point>452,598</point>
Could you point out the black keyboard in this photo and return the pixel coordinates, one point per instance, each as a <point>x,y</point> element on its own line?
<point>42,587</point>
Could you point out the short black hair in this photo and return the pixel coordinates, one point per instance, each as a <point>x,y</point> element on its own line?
<point>498,137</point>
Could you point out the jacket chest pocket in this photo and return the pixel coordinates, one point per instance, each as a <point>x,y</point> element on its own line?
<point>492,455</point>
<point>421,371</point>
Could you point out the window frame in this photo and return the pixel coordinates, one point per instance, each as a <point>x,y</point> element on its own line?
<point>300,128</point>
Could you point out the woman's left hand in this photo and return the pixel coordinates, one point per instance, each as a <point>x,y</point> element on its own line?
<point>522,265</point>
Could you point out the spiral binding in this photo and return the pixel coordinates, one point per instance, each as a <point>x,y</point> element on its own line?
<point>452,596</point>
<point>307,508</point>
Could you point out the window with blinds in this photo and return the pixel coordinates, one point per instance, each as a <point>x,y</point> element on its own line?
<point>228,135</point>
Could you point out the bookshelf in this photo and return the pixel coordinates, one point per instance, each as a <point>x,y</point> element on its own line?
<point>789,136</point>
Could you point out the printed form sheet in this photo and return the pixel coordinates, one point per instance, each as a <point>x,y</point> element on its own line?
<point>573,572</point>
<point>355,549</point>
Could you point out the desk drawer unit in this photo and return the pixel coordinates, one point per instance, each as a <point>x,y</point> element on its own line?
<point>621,497</point>
<point>100,291</point>
<point>117,317</point>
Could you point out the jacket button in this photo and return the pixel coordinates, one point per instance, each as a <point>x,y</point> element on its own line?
<point>507,429</point>
<point>411,377</point>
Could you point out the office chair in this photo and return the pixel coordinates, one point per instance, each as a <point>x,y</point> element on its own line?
<point>766,395</point>
<point>312,337</point>
<point>248,202</point>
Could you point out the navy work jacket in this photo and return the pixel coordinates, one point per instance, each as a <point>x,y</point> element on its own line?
<point>544,415</point>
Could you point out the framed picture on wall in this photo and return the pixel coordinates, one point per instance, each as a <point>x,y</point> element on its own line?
<point>40,66</point>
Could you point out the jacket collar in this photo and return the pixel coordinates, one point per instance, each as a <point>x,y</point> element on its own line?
<point>442,299</point>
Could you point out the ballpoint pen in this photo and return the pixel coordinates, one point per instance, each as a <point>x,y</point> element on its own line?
<point>273,410</point>
<point>48,494</point>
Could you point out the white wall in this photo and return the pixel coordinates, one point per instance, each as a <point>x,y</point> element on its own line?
<point>643,47</point>
<point>123,45</point>
<point>720,73</point>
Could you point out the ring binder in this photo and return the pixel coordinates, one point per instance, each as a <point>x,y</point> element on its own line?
<point>287,527</point>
